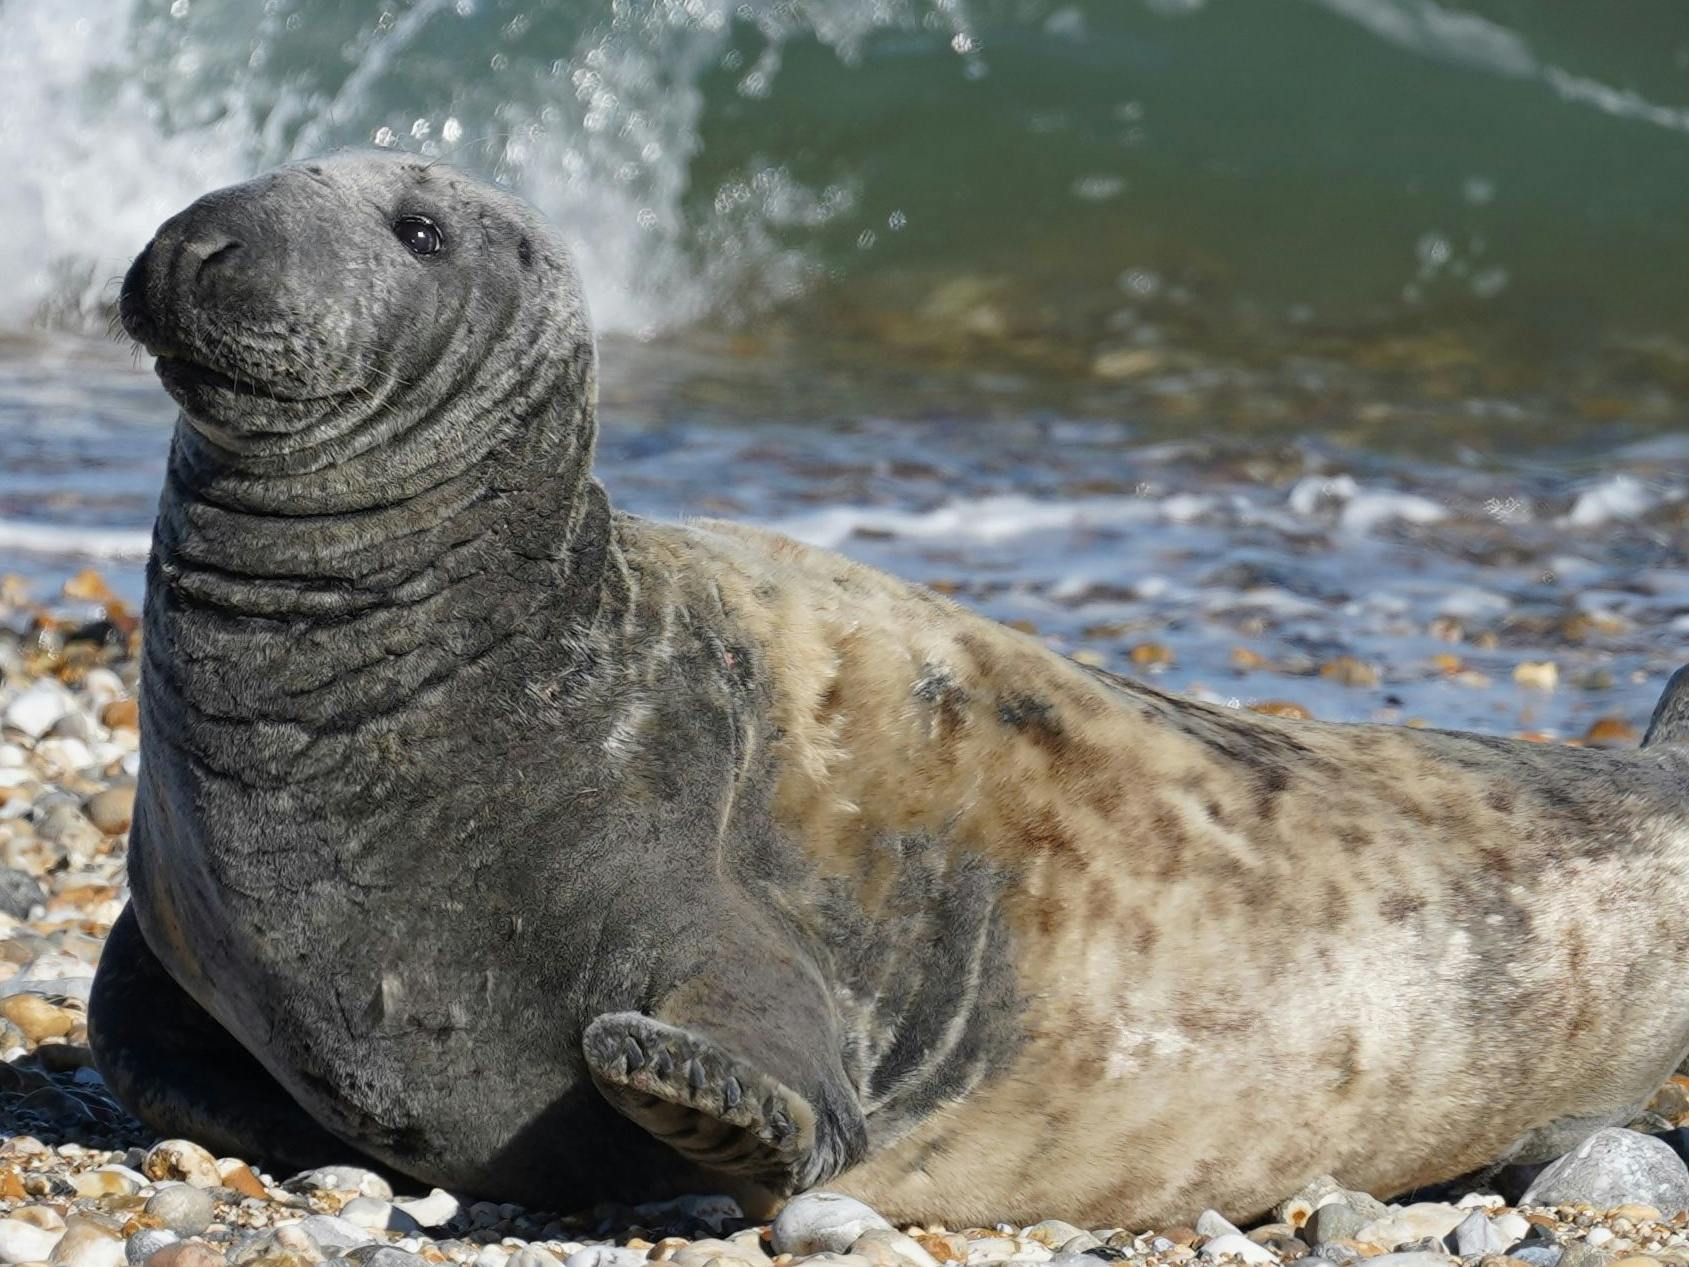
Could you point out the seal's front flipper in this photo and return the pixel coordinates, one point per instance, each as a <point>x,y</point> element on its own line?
<point>718,1109</point>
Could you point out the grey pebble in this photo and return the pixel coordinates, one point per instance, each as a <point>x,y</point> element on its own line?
<point>1537,1255</point>
<point>1212,1223</point>
<point>147,1242</point>
<point>183,1208</point>
<point>389,1256</point>
<point>333,1234</point>
<point>1583,1254</point>
<point>1612,1167</point>
<point>1476,1236</point>
<point>19,892</point>
<point>1337,1221</point>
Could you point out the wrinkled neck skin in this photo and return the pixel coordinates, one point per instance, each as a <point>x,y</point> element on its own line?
<point>401,529</point>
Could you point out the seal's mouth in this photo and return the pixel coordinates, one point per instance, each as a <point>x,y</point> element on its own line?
<point>185,373</point>
<point>179,371</point>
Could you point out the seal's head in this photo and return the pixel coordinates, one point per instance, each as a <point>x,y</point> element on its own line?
<point>352,284</point>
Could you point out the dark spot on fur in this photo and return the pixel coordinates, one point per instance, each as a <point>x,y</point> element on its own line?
<point>1143,941</point>
<point>1500,800</point>
<point>1334,903</point>
<point>1353,839</point>
<point>1345,1059</point>
<point>525,253</point>
<point>1035,719</point>
<point>1400,907</point>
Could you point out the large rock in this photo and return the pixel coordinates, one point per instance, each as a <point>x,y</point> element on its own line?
<point>1612,1167</point>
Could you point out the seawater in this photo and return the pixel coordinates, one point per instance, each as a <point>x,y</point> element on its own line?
<point>1330,351</point>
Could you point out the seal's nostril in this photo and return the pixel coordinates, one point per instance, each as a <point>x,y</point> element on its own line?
<point>216,254</point>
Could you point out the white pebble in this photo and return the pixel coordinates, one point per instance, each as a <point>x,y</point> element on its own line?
<point>1212,1223</point>
<point>881,1247</point>
<point>822,1221</point>
<point>34,711</point>
<point>1237,1245</point>
<point>601,1256</point>
<point>1512,1227</point>
<point>87,1244</point>
<point>373,1212</point>
<point>436,1209</point>
<point>22,1242</point>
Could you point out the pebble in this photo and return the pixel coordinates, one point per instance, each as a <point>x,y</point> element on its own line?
<point>35,710</point>
<point>36,1017</point>
<point>604,1256</point>
<point>145,1243</point>
<point>332,1233</point>
<point>1412,1223</point>
<point>1212,1223</point>
<point>183,1208</point>
<point>817,1221</point>
<point>187,1254</point>
<point>1335,1221</point>
<point>1512,1226</point>
<point>1612,1167</point>
<point>184,1160</point>
<point>110,810</point>
<point>341,1179</point>
<point>436,1209</point>
<point>22,1242</point>
<point>702,1253</point>
<point>373,1212</point>
<point>86,1243</point>
<point>392,1256</point>
<point>1235,1245</point>
<point>1476,1235</point>
<point>887,1248</point>
<point>20,893</point>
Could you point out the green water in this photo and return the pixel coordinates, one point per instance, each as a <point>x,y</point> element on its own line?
<point>1394,218</point>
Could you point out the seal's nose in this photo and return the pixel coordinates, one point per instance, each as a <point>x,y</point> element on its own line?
<point>211,251</point>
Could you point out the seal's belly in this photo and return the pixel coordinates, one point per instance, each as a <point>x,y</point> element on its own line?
<point>1237,1049</point>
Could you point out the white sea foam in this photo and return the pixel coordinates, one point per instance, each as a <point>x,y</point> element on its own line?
<point>118,113</point>
<point>75,543</point>
<point>1621,497</point>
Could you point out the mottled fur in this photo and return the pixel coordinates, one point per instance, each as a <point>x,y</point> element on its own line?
<point>553,854</point>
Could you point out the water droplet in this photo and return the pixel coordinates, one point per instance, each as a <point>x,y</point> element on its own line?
<point>451,130</point>
<point>384,137</point>
<point>896,220</point>
<point>866,239</point>
<point>1098,187</point>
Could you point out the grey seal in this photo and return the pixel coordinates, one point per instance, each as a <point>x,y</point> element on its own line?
<point>539,851</point>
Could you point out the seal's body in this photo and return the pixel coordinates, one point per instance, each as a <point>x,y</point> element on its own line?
<point>550,854</point>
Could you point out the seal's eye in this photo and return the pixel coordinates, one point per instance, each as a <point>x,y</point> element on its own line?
<point>419,233</point>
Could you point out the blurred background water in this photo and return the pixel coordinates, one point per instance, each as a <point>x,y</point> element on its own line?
<point>1433,248</point>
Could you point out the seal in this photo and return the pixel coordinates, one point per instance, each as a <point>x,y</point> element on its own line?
<point>543,852</point>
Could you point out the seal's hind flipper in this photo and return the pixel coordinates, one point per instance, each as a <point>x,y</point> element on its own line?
<point>1670,723</point>
<point>715,1108</point>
